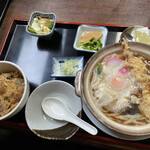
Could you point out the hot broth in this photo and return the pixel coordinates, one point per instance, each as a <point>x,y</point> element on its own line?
<point>120,87</point>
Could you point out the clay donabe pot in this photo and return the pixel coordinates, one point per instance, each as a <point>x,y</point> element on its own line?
<point>82,86</point>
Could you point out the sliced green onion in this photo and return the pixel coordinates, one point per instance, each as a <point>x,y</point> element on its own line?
<point>99,68</point>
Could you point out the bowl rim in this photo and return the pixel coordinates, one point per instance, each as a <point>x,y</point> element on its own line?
<point>41,13</point>
<point>24,92</point>
<point>136,131</point>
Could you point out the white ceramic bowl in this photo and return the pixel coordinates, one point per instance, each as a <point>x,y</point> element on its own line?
<point>6,66</point>
<point>42,125</point>
<point>89,28</point>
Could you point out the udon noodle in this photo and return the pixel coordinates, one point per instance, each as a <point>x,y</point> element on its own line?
<point>120,87</point>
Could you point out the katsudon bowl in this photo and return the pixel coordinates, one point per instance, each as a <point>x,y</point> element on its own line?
<point>111,100</point>
<point>14,89</point>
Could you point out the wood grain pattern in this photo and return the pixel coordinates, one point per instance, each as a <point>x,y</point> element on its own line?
<point>118,12</point>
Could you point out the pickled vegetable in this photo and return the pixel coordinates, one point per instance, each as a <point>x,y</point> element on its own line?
<point>41,26</point>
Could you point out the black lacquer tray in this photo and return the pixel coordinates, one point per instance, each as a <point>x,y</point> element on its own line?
<point>34,56</point>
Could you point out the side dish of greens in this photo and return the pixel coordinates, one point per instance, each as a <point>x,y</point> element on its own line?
<point>93,45</point>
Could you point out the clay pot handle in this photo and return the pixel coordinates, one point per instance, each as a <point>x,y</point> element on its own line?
<point>77,83</point>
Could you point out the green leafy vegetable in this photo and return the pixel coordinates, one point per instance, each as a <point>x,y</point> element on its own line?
<point>94,45</point>
<point>99,68</point>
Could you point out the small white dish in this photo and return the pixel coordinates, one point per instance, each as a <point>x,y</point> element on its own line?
<point>89,28</point>
<point>37,14</point>
<point>129,34</point>
<point>75,63</point>
<point>44,126</point>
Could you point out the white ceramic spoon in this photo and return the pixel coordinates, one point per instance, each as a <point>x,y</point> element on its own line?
<point>56,109</point>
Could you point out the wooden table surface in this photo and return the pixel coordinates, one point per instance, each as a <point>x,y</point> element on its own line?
<point>115,12</point>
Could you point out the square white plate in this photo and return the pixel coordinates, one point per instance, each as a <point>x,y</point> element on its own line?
<point>89,28</point>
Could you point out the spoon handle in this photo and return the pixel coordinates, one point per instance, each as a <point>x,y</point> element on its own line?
<point>82,124</point>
